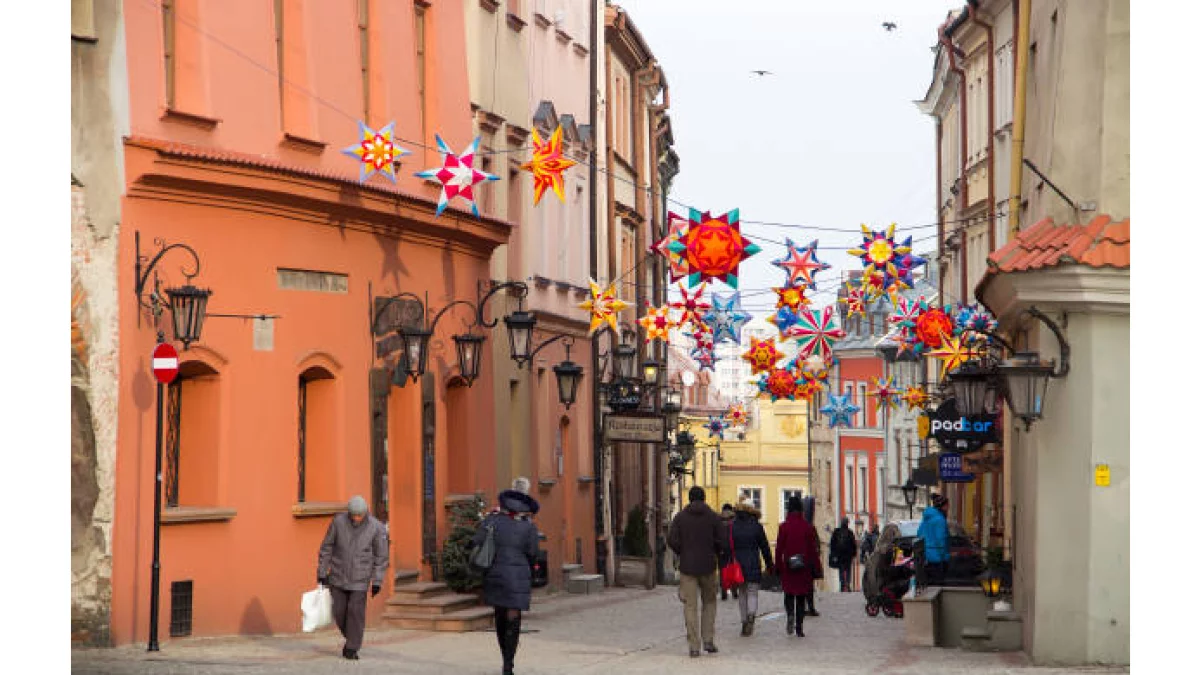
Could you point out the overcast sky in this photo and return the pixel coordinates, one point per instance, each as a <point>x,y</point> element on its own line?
<point>830,139</point>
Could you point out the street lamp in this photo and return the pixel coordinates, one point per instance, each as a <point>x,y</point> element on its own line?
<point>414,342</point>
<point>624,357</point>
<point>1026,379</point>
<point>672,406</point>
<point>652,372</point>
<point>187,312</point>
<point>469,347</point>
<point>910,495</point>
<point>568,373</point>
<point>974,388</point>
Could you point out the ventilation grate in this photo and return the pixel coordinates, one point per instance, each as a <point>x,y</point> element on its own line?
<point>181,608</point>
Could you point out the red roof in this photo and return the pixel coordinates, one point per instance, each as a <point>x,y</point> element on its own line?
<point>1100,243</point>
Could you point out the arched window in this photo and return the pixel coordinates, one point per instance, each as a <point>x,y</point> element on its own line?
<point>192,436</point>
<point>317,437</point>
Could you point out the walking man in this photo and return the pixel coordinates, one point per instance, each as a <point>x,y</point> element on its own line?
<point>697,536</point>
<point>353,557</point>
<point>842,549</point>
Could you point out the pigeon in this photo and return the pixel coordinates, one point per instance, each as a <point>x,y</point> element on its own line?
<point>760,73</point>
<point>889,26</point>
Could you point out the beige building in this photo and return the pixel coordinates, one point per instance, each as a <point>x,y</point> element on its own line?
<point>1057,163</point>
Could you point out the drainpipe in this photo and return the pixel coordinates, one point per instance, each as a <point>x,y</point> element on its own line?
<point>944,38</point>
<point>991,139</point>
<point>941,221</point>
<point>1021,55</point>
<point>593,181</point>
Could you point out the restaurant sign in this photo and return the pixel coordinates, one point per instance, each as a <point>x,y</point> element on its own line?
<point>635,428</point>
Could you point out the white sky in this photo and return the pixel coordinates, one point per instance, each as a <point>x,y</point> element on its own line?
<point>831,139</point>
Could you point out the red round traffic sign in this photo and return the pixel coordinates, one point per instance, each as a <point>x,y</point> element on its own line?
<point>164,361</point>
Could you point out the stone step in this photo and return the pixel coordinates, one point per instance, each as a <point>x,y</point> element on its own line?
<point>406,577</point>
<point>415,591</point>
<point>976,639</point>
<point>462,621</point>
<point>571,568</point>
<point>447,603</point>
<point>585,583</point>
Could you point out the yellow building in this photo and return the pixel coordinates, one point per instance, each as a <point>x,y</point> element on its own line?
<point>770,464</point>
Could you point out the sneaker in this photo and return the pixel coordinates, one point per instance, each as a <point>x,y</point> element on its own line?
<point>710,648</point>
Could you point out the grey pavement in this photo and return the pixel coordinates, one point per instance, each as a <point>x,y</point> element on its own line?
<point>619,630</point>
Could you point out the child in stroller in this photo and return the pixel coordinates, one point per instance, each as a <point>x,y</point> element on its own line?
<point>887,577</point>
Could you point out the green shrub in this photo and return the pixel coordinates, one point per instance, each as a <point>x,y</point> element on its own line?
<point>464,521</point>
<point>637,542</point>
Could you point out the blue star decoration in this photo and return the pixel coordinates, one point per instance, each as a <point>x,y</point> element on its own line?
<point>726,318</point>
<point>716,427</point>
<point>706,359</point>
<point>801,264</point>
<point>840,410</point>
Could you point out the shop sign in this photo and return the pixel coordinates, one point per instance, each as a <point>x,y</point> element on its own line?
<point>635,428</point>
<point>1102,475</point>
<point>950,467</point>
<point>962,433</point>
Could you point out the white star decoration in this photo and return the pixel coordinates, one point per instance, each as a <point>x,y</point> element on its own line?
<point>457,174</point>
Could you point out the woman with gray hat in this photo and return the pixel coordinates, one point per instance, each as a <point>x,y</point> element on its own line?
<point>508,583</point>
<point>354,555</point>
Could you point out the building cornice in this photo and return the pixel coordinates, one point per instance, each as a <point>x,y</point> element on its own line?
<point>1079,288</point>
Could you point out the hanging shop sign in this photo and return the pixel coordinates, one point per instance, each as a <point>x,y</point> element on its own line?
<point>962,433</point>
<point>950,468</point>
<point>635,428</point>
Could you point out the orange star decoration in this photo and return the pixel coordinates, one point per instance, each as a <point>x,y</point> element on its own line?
<point>548,165</point>
<point>657,323</point>
<point>885,391</point>
<point>762,355</point>
<point>954,352</point>
<point>855,301</point>
<point>604,306</point>
<point>792,297</point>
<point>915,397</point>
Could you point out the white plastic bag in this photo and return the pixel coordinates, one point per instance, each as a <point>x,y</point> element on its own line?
<point>317,607</point>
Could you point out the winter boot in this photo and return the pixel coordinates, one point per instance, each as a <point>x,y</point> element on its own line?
<point>791,623</point>
<point>512,636</point>
<point>750,625</point>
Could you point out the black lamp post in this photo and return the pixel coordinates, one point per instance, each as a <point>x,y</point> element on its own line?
<point>469,347</point>
<point>910,495</point>
<point>414,342</point>
<point>520,335</point>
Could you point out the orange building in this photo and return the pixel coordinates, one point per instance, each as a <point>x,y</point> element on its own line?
<point>238,113</point>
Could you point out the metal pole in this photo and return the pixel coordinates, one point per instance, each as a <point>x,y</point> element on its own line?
<point>158,489</point>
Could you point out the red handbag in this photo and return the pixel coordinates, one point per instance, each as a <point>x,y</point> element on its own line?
<point>731,574</point>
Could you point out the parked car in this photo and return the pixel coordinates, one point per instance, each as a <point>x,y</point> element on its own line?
<point>966,558</point>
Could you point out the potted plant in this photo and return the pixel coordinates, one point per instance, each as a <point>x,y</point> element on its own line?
<point>465,517</point>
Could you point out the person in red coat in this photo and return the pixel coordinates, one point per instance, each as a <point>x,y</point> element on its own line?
<point>796,537</point>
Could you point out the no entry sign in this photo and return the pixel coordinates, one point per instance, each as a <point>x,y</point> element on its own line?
<point>164,361</point>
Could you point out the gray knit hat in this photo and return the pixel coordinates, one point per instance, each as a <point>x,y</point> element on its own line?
<point>358,506</point>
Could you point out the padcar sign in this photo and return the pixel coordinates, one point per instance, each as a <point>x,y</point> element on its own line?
<point>635,428</point>
<point>962,433</point>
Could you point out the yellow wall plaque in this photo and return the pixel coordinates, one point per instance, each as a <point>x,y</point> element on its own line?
<point>1102,475</point>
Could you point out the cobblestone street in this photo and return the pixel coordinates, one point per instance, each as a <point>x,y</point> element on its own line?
<point>618,631</point>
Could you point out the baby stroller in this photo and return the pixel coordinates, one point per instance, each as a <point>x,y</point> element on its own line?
<point>887,577</point>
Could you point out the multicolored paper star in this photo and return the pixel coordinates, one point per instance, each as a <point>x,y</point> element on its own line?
<point>676,264</point>
<point>604,306</point>
<point>915,398</point>
<point>714,247</point>
<point>716,427</point>
<point>840,409</point>
<point>547,165</point>
<point>885,392</point>
<point>800,263</point>
<point>779,383</point>
<point>954,352</point>
<point>783,319</point>
<point>762,355</point>
<point>692,307</point>
<point>376,152</point>
<point>855,301</point>
<point>726,318</point>
<point>736,415</point>
<point>657,323</point>
<point>706,359</point>
<point>879,250</point>
<point>974,318</point>
<point>792,297</point>
<point>815,334</point>
<point>457,174</point>
<point>931,327</point>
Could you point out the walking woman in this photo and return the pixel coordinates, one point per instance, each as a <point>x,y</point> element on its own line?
<point>749,541</point>
<point>796,559</point>
<point>507,584</point>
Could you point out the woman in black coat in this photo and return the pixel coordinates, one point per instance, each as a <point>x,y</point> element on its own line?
<point>749,542</point>
<point>507,584</point>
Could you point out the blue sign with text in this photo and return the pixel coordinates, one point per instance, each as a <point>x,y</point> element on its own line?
<point>950,468</point>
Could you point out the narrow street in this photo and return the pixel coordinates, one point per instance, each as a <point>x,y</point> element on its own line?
<point>618,631</point>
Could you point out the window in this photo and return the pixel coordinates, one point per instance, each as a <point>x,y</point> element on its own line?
<point>364,55</point>
<point>168,19</point>
<point>785,495</point>
<point>848,497</point>
<point>863,487</point>
<point>419,42</point>
<point>861,415</point>
<point>754,494</point>
<point>562,444</point>
<point>828,482</point>
<point>317,437</point>
<point>193,409</point>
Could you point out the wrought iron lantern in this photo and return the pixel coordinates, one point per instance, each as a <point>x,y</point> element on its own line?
<point>974,388</point>
<point>187,312</point>
<point>624,357</point>
<point>652,372</point>
<point>910,495</point>
<point>685,445</point>
<point>672,406</point>
<point>1026,378</point>
<point>415,344</point>
<point>568,374</point>
<point>520,335</point>
<point>469,347</point>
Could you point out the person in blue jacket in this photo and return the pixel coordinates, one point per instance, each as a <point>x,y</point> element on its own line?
<point>936,534</point>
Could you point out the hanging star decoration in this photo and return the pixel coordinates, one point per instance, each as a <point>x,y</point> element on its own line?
<point>706,359</point>
<point>954,352</point>
<point>816,334</point>
<point>716,427</point>
<point>879,250</point>
<point>714,247</point>
<point>800,263</point>
<point>973,318</point>
<point>604,306</point>
<point>855,301</point>
<point>703,340</point>
<point>692,307</point>
<point>932,326</point>
<point>815,371</point>
<point>726,318</point>
<point>376,152</point>
<point>906,264</point>
<point>657,323</point>
<point>547,165</point>
<point>915,398</point>
<point>457,174</point>
<point>907,311</point>
<point>792,297</point>
<point>762,355</point>
<point>885,391</point>
<point>840,409</point>
<point>783,319</point>
<point>779,383</point>
<point>736,415</point>
<point>676,264</point>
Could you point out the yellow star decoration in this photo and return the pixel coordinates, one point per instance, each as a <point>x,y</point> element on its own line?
<point>792,297</point>
<point>604,306</point>
<point>915,397</point>
<point>657,323</point>
<point>548,165</point>
<point>762,355</point>
<point>954,352</point>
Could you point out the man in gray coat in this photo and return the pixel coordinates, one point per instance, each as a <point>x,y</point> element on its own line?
<point>354,555</point>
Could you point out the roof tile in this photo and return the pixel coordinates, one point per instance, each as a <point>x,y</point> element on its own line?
<point>1100,243</point>
<point>1117,232</point>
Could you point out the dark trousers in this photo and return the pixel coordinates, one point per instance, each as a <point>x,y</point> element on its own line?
<point>794,606</point>
<point>508,634</point>
<point>350,615</point>
<point>844,579</point>
<point>812,607</point>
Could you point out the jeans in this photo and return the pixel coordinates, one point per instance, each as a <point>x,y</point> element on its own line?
<point>702,590</point>
<point>748,601</point>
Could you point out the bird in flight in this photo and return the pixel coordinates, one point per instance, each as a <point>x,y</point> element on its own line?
<point>760,73</point>
<point>889,26</point>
